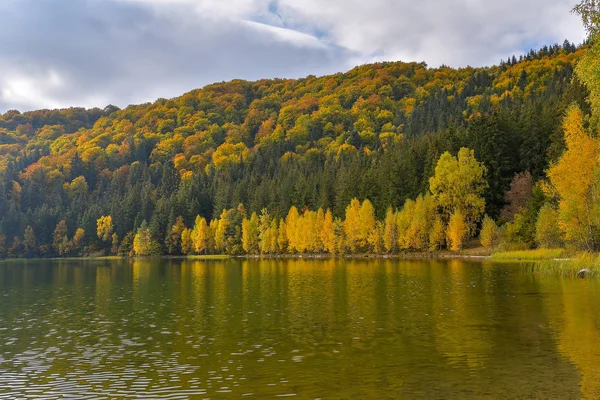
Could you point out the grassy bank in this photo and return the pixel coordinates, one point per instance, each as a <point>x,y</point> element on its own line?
<point>554,262</point>
<point>531,255</point>
<point>569,268</point>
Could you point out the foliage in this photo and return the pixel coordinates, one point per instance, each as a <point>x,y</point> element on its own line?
<point>574,181</point>
<point>376,132</point>
<point>457,231</point>
<point>547,230</point>
<point>458,186</point>
<point>488,236</point>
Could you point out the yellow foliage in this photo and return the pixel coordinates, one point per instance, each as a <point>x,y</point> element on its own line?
<point>457,231</point>
<point>573,178</point>
<point>104,228</point>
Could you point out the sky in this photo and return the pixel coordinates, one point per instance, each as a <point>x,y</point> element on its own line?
<point>91,53</point>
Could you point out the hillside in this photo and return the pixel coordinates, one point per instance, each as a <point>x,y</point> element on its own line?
<point>373,132</point>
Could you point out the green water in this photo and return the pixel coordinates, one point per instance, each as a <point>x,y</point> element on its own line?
<point>349,329</point>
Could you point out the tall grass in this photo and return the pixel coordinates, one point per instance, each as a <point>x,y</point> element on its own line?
<point>530,255</point>
<point>568,268</point>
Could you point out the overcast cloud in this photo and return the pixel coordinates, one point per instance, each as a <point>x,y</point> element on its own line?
<point>89,53</point>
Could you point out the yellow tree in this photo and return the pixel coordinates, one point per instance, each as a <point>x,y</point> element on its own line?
<point>282,242</point>
<point>272,236</point>
<point>457,231</point>
<point>104,228</point>
<point>318,228</point>
<point>366,223</point>
<point>212,235</point>
<point>173,241</point>
<point>437,235</point>
<point>292,228</point>
<point>587,68</point>
<point>78,239</point>
<point>375,238</point>
<point>221,230</point>
<point>265,233</point>
<point>328,233</point>
<point>573,179</point>
<point>403,222</point>
<point>250,234</point>
<point>458,184</point>
<point>143,243</point>
<point>489,232</point>
<point>547,231</point>
<point>352,230</point>
<point>390,235</point>
<point>423,216</point>
<point>200,235</point>
<point>187,244</point>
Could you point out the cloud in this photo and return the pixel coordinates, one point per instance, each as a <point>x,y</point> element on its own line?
<point>91,53</point>
<point>457,32</point>
<point>95,52</point>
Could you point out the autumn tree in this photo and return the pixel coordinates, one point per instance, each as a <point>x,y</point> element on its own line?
<point>250,234</point>
<point>222,229</point>
<point>200,235</point>
<point>173,239</point>
<point>143,243</point>
<point>587,67</point>
<point>292,229</point>
<point>282,241</point>
<point>104,228</point>
<point>352,230</point>
<point>574,181</point>
<point>547,231</point>
<point>488,236</point>
<point>390,235</point>
<point>328,233</point>
<point>457,231</point>
<point>518,196</point>
<point>367,223</point>
<point>187,244</point>
<point>458,185</point>
<point>78,239</point>
<point>437,235</point>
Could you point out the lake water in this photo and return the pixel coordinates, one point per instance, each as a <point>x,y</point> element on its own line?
<point>331,329</point>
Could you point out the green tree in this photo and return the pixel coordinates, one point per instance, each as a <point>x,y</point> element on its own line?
<point>59,238</point>
<point>489,232</point>
<point>29,242</point>
<point>144,244</point>
<point>547,231</point>
<point>458,185</point>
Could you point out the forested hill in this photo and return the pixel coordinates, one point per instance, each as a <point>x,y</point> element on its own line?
<point>374,132</point>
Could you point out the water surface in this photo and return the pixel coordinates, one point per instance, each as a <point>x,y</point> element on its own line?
<point>379,329</point>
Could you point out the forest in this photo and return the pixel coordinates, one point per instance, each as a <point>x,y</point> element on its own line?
<point>386,158</point>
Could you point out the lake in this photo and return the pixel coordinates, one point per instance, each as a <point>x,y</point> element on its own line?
<point>331,329</point>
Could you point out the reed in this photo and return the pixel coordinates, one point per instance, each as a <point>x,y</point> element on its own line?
<point>530,255</point>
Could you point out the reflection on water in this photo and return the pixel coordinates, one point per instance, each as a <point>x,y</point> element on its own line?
<point>306,328</point>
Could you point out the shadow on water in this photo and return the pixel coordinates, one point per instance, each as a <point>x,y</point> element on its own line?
<point>450,329</point>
